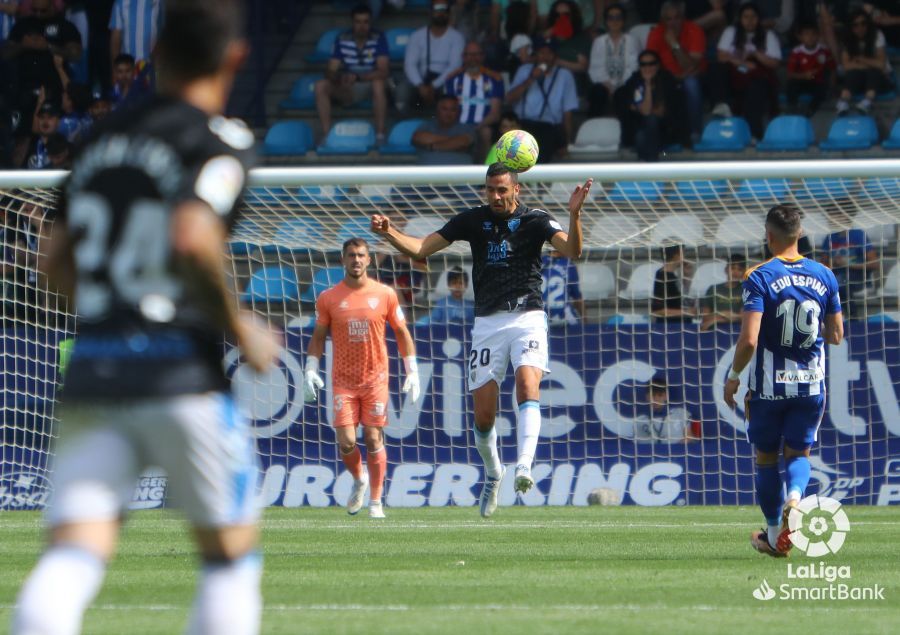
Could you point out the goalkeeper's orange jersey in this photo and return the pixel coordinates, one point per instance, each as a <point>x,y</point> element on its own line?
<point>356,319</point>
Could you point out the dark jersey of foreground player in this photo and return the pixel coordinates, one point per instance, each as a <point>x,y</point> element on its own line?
<point>139,332</point>
<point>506,255</point>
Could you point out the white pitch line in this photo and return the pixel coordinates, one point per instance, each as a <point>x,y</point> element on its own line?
<point>481,525</point>
<point>541,608</point>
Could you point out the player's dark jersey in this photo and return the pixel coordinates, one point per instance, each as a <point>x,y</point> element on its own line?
<point>140,331</point>
<point>506,254</point>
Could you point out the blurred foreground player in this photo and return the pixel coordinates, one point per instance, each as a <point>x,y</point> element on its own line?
<point>791,309</point>
<point>139,246</point>
<point>355,311</point>
<point>506,239</point>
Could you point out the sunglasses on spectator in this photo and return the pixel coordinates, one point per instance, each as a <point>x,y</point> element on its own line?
<point>648,63</point>
<point>614,16</point>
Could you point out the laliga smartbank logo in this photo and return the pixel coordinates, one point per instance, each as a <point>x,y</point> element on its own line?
<point>819,527</point>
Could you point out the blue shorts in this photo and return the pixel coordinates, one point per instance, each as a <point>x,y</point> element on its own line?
<point>796,420</point>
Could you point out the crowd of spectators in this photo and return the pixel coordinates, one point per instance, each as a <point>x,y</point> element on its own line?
<point>63,66</point>
<point>550,61</point>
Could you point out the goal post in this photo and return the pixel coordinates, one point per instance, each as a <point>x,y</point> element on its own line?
<point>601,440</point>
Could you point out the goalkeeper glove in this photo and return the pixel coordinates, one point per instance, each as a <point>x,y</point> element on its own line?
<point>411,385</point>
<point>312,383</point>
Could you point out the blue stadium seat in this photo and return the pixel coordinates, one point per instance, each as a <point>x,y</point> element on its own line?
<point>851,133</point>
<point>893,139</point>
<point>320,194</point>
<point>288,138</point>
<point>322,280</point>
<point>762,189</point>
<point>272,284</point>
<point>325,45</point>
<point>636,191</point>
<point>303,93</point>
<point>397,39</point>
<point>699,190</point>
<point>306,233</point>
<point>786,133</point>
<point>731,134</point>
<point>354,136</point>
<point>399,140</point>
<point>819,189</point>
<point>356,228</point>
<point>882,187</point>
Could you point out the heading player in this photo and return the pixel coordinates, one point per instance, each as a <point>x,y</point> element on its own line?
<point>506,239</point>
<point>791,308</point>
<point>139,246</point>
<point>355,311</point>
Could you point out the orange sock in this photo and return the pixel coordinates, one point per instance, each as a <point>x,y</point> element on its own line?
<point>377,463</point>
<point>353,462</point>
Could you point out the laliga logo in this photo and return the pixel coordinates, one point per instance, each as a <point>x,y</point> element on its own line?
<point>813,520</point>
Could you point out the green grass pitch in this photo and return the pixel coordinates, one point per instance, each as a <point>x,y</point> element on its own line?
<point>526,570</point>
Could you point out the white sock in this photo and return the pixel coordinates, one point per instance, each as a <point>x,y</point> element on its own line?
<point>528,429</point>
<point>228,598</point>
<point>59,589</point>
<point>772,532</point>
<point>486,443</point>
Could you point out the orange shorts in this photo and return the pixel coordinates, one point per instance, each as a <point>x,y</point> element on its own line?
<point>367,406</point>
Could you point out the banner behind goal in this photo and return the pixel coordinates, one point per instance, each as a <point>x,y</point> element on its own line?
<point>599,430</point>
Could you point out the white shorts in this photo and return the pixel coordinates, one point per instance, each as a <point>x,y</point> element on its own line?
<point>503,337</point>
<point>201,441</point>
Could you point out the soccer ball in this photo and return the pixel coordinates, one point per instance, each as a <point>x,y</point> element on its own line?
<point>517,150</point>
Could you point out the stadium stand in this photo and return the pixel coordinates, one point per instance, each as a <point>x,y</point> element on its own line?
<point>322,279</point>
<point>707,274</point>
<point>399,140</point>
<point>349,137</point>
<point>636,191</point>
<point>892,141</point>
<point>786,133</point>
<point>641,32</point>
<point>767,190</point>
<point>728,134</point>
<point>325,45</point>
<point>640,282</point>
<point>600,134</point>
<point>851,133</point>
<point>597,281</point>
<point>684,228</point>
<point>288,138</point>
<point>272,284</point>
<point>303,93</point>
<point>397,40</point>
<point>740,230</point>
<point>690,191</point>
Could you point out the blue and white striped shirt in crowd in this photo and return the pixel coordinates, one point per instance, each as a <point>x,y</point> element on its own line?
<point>359,60</point>
<point>140,22</point>
<point>475,94</point>
<point>794,296</point>
<point>6,23</point>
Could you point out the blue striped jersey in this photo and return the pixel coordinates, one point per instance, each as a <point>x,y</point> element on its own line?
<point>6,23</point>
<point>794,296</point>
<point>560,287</point>
<point>140,22</point>
<point>360,60</point>
<point>474,94</point>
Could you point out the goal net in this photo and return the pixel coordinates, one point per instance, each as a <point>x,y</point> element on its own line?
<point>632,410</point>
